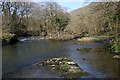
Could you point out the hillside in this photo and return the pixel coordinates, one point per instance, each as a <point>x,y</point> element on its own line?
<point>96,18</point>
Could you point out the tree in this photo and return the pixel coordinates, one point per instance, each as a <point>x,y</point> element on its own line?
<point>22,18</point>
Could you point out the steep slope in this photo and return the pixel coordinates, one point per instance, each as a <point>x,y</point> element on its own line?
<point>96,18</point>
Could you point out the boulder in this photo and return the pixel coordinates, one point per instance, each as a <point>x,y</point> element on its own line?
<point>8,38</point>
<point>84,49</point>
<point>64,67</point>
<point>116,56</point>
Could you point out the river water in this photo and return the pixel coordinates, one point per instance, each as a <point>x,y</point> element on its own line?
<point>18,58</point>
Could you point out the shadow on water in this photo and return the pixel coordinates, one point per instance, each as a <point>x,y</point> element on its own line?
<point>18,58</point>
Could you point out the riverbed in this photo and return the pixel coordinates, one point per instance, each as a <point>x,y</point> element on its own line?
<point>19,58</point>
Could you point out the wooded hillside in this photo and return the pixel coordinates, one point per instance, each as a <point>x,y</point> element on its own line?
<point>97,18</point>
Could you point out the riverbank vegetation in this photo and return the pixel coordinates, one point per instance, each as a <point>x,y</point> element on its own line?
<point>52,21</point>
<point>93,38</point>
<point>27,19</point>
<point>114,45</point>
<point>97,19</point>
<point>8,38</point>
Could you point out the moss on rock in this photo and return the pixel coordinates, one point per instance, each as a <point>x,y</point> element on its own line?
<point>8,38</point>
<point>64,67</point>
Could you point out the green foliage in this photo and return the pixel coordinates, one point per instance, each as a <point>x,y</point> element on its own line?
<point>94,39</point>
<point>114,45</point>
<point>43,33</point>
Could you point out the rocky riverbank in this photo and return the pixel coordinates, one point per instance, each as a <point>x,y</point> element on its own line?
<point>84,49</point>
<point>63,37</point>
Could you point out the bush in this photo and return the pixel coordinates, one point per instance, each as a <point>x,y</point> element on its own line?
<point>114,45</point>
<point>43,33</point>
<point>8,38</point>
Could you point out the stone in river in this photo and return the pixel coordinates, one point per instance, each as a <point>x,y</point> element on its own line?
<point>64,67</point>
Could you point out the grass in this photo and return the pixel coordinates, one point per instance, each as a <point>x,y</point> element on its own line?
<point>89,39</point>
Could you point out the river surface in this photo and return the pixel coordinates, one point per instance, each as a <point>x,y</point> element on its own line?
<point>18,58</point>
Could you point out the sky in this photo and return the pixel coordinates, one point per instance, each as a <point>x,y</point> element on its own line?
<point>69,4</point>
<point>72,5</point>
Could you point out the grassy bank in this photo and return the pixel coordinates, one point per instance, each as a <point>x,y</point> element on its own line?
<point>93,38</point>
<point>113,42</point>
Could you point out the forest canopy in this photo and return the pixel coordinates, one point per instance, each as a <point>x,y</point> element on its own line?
<point>28,18</point>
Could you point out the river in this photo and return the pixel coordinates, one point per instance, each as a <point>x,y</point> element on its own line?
<point>18,58</point>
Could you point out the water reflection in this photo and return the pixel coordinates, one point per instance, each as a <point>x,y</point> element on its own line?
<point>98,62</point>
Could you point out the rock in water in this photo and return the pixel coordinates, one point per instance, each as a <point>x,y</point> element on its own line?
<point>64,67</point>
<point>84,49</point>
<point>116,57</point>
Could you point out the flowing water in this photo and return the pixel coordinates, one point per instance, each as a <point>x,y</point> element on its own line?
<point>18,58</point>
